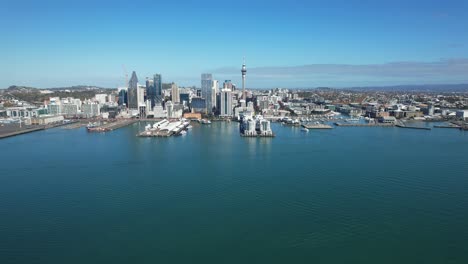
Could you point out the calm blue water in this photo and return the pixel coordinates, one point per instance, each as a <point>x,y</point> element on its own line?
<point>347,195</point>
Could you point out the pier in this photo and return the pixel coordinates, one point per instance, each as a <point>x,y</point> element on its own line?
<point>112,125</point>
<point>258,135</point>
<point>413,127</point>
<point>317,126</point>
<point>365,125</point>
<point>448,126</point>
<point>15,130</point>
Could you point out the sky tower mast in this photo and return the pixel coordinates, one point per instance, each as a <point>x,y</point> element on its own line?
<point>244,71</point>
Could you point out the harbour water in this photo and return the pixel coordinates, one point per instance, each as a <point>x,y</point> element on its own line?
<point>343,195</point>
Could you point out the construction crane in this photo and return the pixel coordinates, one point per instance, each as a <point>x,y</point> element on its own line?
<point>126,75</point>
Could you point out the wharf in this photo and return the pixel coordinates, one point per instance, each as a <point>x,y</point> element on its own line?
<point>258,135</point>
<point>10,131</point>
<point>21,131</point>
<point>414,127</point>
<point>448,126</point>
<point>74,125</point>
<point>365,125</point>
<point>112,125</point>
<point>317,126</point>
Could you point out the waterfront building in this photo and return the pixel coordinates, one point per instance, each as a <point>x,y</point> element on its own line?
<point>175,97</point>
<point>46,119</point>
<point>69,110</point>
<point>226,103</point>
<point>206,86</point>
<point>132,94</point>
<point>198,105</point>
<point>90,109</point>
<point>27,112</point>
<point>54,109</point>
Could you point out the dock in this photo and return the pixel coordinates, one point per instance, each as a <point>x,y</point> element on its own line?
<point>365,125</point>
<point>21,131</point>
<point>414,127</point>
<point>74,125</point>
<point>9,131</point>
<point>448,126</point>
<point>258,135</point>
<point>317,126</point>
<point>112,125</point>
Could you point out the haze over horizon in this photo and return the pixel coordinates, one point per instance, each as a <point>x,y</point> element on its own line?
<point>286,44</point>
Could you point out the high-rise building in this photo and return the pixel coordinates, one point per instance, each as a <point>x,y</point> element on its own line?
<point>155,92</point>
<point>175,97</point>
<point>150,90</point>
<point>226,102</point>
<point>227,84</point>
<point>206,86</point>
<point>132,94</point>
<point>123,96</point>
<point>214,92</point>
<point>141,95</point>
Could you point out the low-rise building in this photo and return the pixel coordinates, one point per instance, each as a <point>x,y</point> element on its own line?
<point>46,119</point>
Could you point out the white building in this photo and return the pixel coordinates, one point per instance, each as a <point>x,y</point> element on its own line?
<point>101,98</point>
<point>69,109</point>
<point>214,92</point>
<point>91,109</point>
<point>141,95</point>
<point>46,119</point>
<point>226,103</point>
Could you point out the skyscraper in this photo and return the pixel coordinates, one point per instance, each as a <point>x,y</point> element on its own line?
<point>157,82</point>
<point>214,92</point>
<point>133,92</point>
<point>150,91</point>
<point>226,102</point>
<point>175,93</point>
<point>206,85</point>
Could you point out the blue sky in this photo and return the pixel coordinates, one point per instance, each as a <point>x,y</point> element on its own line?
<point>286,43</point>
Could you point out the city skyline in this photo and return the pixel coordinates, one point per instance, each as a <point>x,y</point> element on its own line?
<point>318,43</point>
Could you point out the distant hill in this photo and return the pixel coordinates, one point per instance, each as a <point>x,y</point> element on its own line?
<point>38,96</point>
<point>416,88</point>
<point>71,88</point>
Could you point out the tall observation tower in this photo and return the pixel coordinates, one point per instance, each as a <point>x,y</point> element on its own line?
<point>244,71</point>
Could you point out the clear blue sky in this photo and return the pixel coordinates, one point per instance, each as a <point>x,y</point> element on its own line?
<point>286,43</point>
